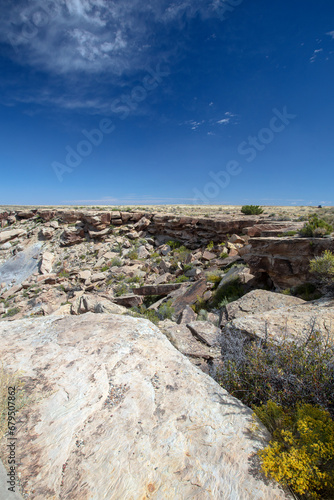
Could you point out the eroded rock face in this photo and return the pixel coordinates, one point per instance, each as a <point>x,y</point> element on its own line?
<point>285,260</point>
<point>118,413</point>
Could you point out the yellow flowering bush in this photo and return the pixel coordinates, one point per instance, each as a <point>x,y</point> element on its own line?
<point>301,454</point>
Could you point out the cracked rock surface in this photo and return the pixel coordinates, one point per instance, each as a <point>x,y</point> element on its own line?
<point>116,412</point>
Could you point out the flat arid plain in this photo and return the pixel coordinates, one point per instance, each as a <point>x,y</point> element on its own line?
<point>138,341</point>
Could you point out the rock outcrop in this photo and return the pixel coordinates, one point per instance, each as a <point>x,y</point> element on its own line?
<point>285,260</point>
<point>116,412</point>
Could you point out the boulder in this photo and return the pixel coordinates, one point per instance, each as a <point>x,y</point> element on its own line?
<point>85,275</point>
<point>46,263</point>
<point>142,252</point>
<point>189,296</point>
<point>257,301</point>
<point>11,292</point>
<point>143,223</point>
<point>11,235</point>
<point>72,237</point>
<point>274,228</point>
<point>26,214</point>
<point>130,300</point>
<point>292,322</point>
<point>237,239</point>
<point>187,315</point>
<point>208,255</point>
<point>99,234</point>
<point>237,273</point>
<point>206,332</point>
<point>97,277</point>
<point>46,233</point>
<point>116,412</point>
<point>96,304</point>
<point>198,353</point>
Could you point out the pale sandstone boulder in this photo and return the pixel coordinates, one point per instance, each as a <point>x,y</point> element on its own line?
<point>292,322</point>
<point>11,234</point>
<point>257,301</point>
<point>46,263</point>
<point>117,413</point>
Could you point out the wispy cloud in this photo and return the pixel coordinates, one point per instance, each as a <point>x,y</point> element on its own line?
<point>223,121</point>
<point>331,34</point>
<point>227,118</point>
<point>92,44</point>
<point>315,55</point>
<point>90,35</point>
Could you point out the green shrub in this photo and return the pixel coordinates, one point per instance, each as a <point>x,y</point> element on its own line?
<point>104,268</point>
<point>223,255</point>
<point>116,262</point>
<point>12,312</point>
<point>166,310</point>
<point>306,291</point>
<point>181,279</point>
<point>200,305</point>
<point>288,373</point>
<point>150,299</point>
<point>174,244</point>
<point>63,273</point>
<point>214,277</point>
<point>251,210</point>
<point>323,266</point>
<point>301,454</point>
<point>232,291</point>
<point>121,289</point>
<point>210,245</point>
<point>287,233</point>
<point>202,315</point>
<point>315,227</point>
<point>133,255</point>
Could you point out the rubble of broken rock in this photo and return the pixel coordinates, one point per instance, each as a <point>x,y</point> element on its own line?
<point>192,277</point>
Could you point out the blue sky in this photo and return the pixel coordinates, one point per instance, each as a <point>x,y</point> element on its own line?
<point>192,101</point>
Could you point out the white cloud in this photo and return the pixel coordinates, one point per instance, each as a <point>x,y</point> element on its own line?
<point>89,35</point>
<point>315,54</point>
<point>85,42</point>
<point>331,33</point>
<point>223,121</point>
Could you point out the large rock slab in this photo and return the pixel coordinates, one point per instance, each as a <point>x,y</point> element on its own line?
<point>293,322</point>
<point>117,413</point>
<point>157,289</point>
<point>257,301</point>
<point>11,234</point>
<point>20,267</point>
<point>190,296</point>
